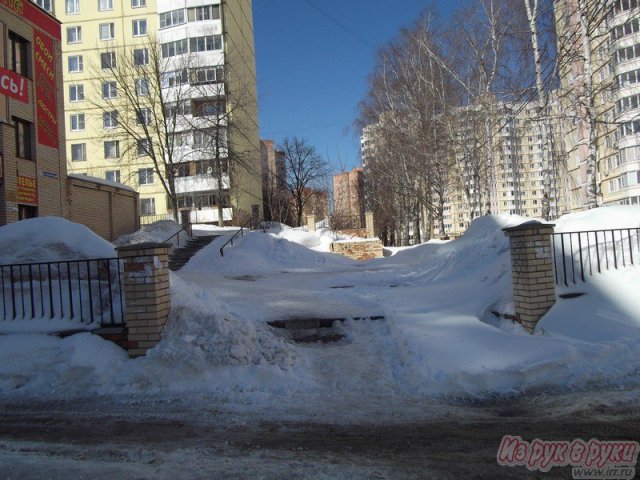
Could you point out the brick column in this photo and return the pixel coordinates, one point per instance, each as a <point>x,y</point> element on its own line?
<point>534,289</point>
<point>311,223</point>
<point>147,297</point>
<point>368,221</point>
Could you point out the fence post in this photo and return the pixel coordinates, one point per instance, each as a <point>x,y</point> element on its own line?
<point>146,291</point>
<point>534,289</point>
<point>368,219</point>
<point>311,223</point>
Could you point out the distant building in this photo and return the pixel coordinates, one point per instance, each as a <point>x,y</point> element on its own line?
<point>348,198</point>
<point>33,171</point>
<point>274,183</point>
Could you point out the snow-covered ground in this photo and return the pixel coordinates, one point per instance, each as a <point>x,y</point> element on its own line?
<point>438,340</point>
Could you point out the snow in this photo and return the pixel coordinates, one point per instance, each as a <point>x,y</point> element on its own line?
<point>158,232</point>
<point>49,239</point>
<point>438,338</point>
<point>101,181</point>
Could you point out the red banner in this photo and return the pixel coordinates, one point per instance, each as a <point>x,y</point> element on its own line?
<point>38,17</point>
<point>45,87</point>
<point>13,85</point>
<point>27,190</point>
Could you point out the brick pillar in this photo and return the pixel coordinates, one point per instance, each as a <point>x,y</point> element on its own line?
<point>534,288</point>
<point>368,219</point>
<point>147,297</point>
<point>311,223</point>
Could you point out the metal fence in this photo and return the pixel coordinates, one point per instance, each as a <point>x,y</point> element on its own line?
<point>84,291</point>
<point>581,254</point>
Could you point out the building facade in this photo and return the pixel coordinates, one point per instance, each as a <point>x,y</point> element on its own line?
<point>348,198</point>
<point>603,154</point>
<point>32,152</point>
<point>161,96</point>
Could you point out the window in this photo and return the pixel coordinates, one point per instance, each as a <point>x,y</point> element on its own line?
<point>45,5</point>
<point>144,116</point>
<point>147,206</point>
<point>74,34</point>
<point>174,48</point>
<point>207,75</point>
<point>77,122</point>
<point>112,175</point>
<point>108,60</point>
<point>23,138</point>
<point>207,12</point>
<point>111,149</point>
<point>142,147</point>
<point>105,5</point>
<point>206,43</point>
<point>76,93</point>
<point>141,56</point>
<point>142,86</point>
<point>109,90</point>
<point>78,152</point>
<point>72,6</point>
<point>138,3</point>
<point>183,170</point>
<point>110,119</point>
<point>76,63</point>
<point>182,108</point>
<point>139,27</point>
<point>174,17</point>
<point>145,176</point>
<point>175,78</point>
<point>107,31</point>
<point>208,107</point>
<point>18,55</point>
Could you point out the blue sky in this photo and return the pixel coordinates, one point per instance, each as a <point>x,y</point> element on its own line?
<point>312,72</point>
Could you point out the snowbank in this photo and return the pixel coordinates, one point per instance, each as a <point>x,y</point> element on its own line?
<point>438,336</point>
<point>49,239</point>
<point>155,232</point>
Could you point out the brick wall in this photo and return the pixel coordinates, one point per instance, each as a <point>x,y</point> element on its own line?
<point>108,211</point>
<point>48,164</point>
<point>532,271</point>
<point>359,250</point>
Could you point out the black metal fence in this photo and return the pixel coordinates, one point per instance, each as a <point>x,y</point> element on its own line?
<point>581,254</point>
<point>84,291</point>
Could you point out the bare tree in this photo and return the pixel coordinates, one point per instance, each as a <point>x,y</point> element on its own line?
<point>306,173</point>
<point>173,112</point>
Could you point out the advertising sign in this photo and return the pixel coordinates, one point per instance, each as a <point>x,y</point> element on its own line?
<point>13,85</point>
<point>27,191</point>
<point>45,88</point>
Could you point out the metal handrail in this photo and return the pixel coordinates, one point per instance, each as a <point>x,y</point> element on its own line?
<point>239,232</point>
<point>178,235</point>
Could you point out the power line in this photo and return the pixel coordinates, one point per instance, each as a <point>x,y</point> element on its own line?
<point>337,22</point>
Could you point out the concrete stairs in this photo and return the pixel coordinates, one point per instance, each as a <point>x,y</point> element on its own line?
<point>181,255</point>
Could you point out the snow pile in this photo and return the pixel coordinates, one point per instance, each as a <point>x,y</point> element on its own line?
<point>50,239</point>
<point>262,253</point>
<point>157,232</point>
<point>605,218</point>
<point>201,333</point>
<point>438,336</point>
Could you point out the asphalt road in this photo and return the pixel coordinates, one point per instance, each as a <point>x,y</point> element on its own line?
<point>100,440</point>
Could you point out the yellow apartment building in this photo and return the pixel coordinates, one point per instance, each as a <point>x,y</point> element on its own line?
<point>202,49</point>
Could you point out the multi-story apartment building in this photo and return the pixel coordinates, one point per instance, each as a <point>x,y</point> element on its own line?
<point>191,58</point>
<point>348,197</point>
<point>608,84</point>
<point>32,161</point>
<point>520,165</point>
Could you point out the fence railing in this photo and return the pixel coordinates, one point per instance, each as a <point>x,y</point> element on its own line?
<point>149,219</point>
<point>239,233</point>
<point>84,291</point>
<point>581,254</point>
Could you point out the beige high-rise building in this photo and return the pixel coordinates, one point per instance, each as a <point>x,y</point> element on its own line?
<point>205,53</point>
<point>614,66</point>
